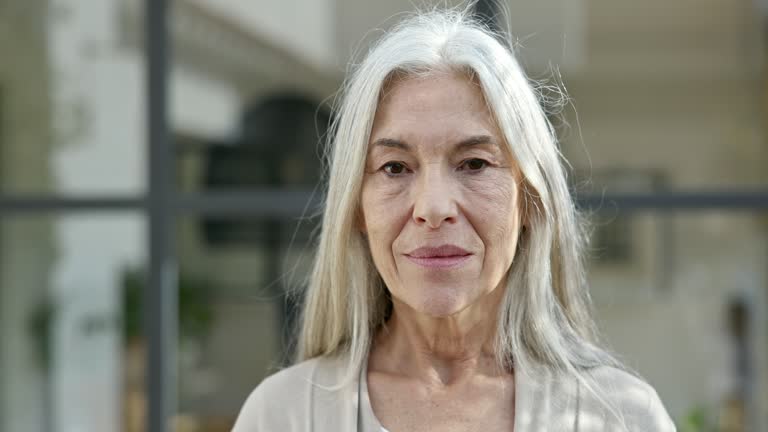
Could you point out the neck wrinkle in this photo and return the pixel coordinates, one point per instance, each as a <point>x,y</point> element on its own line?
<point>440,351</point>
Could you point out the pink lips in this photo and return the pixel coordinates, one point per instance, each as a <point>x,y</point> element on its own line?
<point>443,256</point>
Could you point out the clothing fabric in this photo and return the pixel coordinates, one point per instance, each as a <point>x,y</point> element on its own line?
<point>307,398</point>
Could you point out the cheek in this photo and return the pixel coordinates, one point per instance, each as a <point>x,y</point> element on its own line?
<point>380,201</point>
<point>384,213</point>
<point>494,206</point>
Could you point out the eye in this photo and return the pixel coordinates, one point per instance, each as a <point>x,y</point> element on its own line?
<point>474,164</point>
<point>393,168</point>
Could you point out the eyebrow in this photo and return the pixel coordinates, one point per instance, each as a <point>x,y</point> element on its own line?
<point>471,141</point>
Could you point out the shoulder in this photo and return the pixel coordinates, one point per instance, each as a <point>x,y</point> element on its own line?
<point>633,399</point>
<point>283,399</point>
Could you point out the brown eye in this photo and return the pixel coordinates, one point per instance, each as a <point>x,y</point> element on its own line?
<point>475,164</point>
<point>394,168</point>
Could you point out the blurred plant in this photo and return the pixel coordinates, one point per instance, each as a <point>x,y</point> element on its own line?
<point>195,309</point>
<point>695,421</point>
<point>40,329</point>
<point>195,313</point>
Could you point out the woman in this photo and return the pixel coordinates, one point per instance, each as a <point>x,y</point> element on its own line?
<point>448,291</point>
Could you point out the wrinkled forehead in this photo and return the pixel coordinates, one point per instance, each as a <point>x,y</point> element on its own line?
<point>439,107</point>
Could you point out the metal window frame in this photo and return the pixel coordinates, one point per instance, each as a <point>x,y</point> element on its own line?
<point>295,202</point>
<point>160,296</point>
<point>162,204</point>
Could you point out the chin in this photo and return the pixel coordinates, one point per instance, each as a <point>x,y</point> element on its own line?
<point>442,302</point>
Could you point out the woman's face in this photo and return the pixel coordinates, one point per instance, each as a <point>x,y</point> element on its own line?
<point>440,196</point>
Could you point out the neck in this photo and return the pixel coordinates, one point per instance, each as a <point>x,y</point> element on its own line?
<point>440,350</point>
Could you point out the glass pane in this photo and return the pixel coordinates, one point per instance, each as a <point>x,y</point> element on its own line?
<point>235,318</point>
<point>674,97</point>
<point>62,284</point>
<point>682,297</point>
<point>72,104</point>
<point>247,105</point>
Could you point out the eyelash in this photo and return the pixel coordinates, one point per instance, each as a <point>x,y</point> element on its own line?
<point>485,163</point>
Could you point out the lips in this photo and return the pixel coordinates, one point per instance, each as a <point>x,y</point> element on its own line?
<point>442,251</point>
<point>439,257</point>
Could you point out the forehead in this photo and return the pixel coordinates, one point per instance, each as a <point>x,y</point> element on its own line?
<point>433,109</point>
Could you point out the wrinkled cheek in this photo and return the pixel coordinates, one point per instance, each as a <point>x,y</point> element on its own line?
<point>377,198</point>
<point>387,268</point>
<point>498,216</point>
<point>382,233</point>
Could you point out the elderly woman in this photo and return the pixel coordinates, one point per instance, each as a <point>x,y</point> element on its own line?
<point>448,292</point>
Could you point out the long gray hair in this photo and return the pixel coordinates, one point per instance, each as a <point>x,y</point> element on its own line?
<point>545,320</point>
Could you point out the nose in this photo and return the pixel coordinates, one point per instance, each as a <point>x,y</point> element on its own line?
<point>434,200</point>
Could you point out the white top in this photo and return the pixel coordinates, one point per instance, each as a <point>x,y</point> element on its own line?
<point>302,398</point>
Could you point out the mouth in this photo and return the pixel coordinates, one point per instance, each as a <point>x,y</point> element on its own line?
<point>444,256</point>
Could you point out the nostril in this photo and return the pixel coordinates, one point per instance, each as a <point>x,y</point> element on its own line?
<point>436,222</point>
<point>434,209</point>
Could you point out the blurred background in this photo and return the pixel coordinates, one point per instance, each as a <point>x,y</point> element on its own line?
<point>666,134</point>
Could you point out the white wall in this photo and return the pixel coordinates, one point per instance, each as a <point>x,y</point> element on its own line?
<point>304,28</point>
<point>202,106</point>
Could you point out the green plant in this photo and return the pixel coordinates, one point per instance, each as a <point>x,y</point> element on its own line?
<point>695,420</point>
<point>39,326</point>
<point>195,311</point>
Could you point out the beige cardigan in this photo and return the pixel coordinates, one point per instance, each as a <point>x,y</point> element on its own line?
<point>297,399</point>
